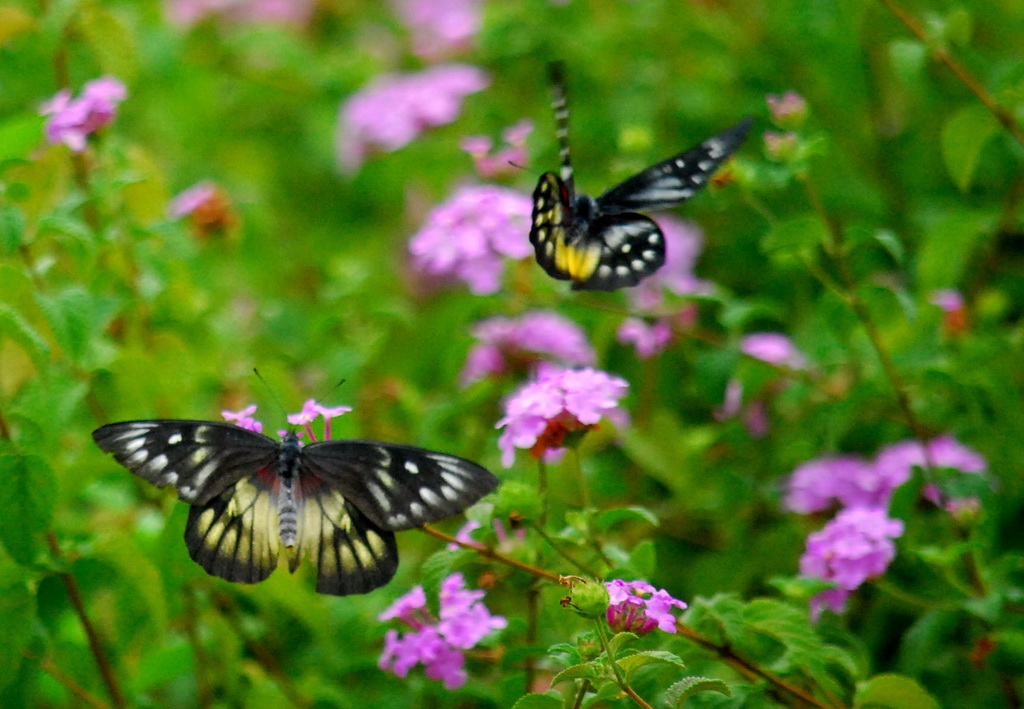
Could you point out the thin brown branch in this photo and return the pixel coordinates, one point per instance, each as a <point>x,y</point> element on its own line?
<point>942,55</point>
<point>749,669</point>
<point>81,693</point>
<point>95,646</point>
<point>492,554</point>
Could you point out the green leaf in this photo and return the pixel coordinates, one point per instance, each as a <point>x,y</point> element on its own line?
<point>610,518</point>
<point>893,692</point>
<point>18,135</point>
<point>12,226</point>
<point>620,640</point>
<point>111,40</point>
<point>944,253</point>
<point>587,670</point>
<point>78,319</point>
<point>551,700</point>
<point>634,662</point>
<point>794,235</point>
<point>17,328</point>
<point>18,610</point>
<point>682,690</point>
<point>963,136</point>
<point>27,494</point>
<point>643,559</point>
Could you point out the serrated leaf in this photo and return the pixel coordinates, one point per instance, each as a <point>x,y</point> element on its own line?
<point>682,690</point>
<point>27,494</point>
<point>551,700</point>
<point>964,135</point>
<point>620,640</point>
<point>794,235</point>
<point>893,692</point>
<point>609,518</point>
<point>588,670</point>
<point>18,610</point>
<point>77,317</point>
<point>110,39</point>
<point>631,663</point>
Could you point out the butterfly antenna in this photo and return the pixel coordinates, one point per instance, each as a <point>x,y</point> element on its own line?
<point>560,104</point>
<point>273,394</point>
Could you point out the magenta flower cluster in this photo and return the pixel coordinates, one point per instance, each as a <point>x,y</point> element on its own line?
<point>395,108</point>
<point>437,643</point>
<point>440,27</point>
<point>191,199</point>
<point>503,343</point>
<point>505,160</point>
<point>636,606</point>
<point>558,401</point>
<point>309,413</point>
<point>469,237</point>
<point>853,547</point>
<point>72,120</point>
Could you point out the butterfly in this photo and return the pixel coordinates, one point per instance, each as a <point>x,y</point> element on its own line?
<point>337,502</point>
<point>602,243</point>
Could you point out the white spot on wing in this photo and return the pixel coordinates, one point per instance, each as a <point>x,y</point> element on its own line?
<point>454,480</point>
<point>622,270</point>
<point>412,467</point>
<point>397,521</point>
<point>416,510</point>
<point>379,496</point>
<point>174,439</point>
<point>137,458</point>
<point>429,496</point>
<point>202,434</point>
<point>134,444</point>
<point>449,494</point>
<point>157,464</point>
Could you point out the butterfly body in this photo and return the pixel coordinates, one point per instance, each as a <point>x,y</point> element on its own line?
<point>603,243</point>
<point>337,503</point>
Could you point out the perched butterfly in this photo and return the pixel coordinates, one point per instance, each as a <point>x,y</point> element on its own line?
<point>336,502</point>
<point>602,244</point>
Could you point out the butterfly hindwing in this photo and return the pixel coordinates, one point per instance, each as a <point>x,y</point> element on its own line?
<point>351,554</point>
<point>398,487</point>
<point>235,535</point>
<point>200,459</point>
<point>632,247</point>
<point>551,229</point>
<point>673,181</point>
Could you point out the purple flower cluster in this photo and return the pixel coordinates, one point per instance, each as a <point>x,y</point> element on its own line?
<point>190,12</point>
<point>505,160</point>
<point>855,482</point>
<point>395,108</point>
<point>773,348</point>
<point>856,544</point>
<point>469,237</point>
<point>508,343</point>
<point>310,411</point>
<point>637,607</point>
<point>648,338</point>
<point>684,242</point>
<point>852,548</point>
<point>440,27</point>
<point>556,402</point>
<point>72,120</point>
<point>788,110</point>
<point>437,643</point>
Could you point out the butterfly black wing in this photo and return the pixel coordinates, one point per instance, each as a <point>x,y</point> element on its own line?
<point>201,459</point>
<point>398,487</point>
<point>351,553</point>
<point>554,243</point>
<point>630,247</point>
<point>675,180</point>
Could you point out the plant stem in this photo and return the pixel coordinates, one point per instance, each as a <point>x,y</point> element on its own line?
<point>492,554</point>
<point>542,490</point>
<point>80,693</point>
<point>558,550</point>
<point>620,679</point>
<point>942,54</point>
<point>95,646</point>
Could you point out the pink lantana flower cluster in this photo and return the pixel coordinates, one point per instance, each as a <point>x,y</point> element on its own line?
<point>72,120</point>
<point>469,237</point>
<point>438,643</point>
<point>505,344</point>
<point>856,545</point>
<point>309,413</point>
<point>395,108</point>
<point>773,348</point>
<point>554,404</point>
<point>440,28</point>
<point>505,160</point>
<point>637,607</point>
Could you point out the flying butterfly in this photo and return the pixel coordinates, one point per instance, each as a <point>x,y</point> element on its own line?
<point>337,502</point>
<point>602,243</point>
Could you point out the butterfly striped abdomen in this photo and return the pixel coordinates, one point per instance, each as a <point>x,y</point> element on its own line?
<point>334,502</point>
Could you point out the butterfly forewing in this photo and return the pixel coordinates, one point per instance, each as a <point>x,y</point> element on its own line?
<point>235,535</point>
<point>673,181</point>
<point>351,554</point>
<point>549,229</point>
<point>199,458</point>
<point>398,487</point>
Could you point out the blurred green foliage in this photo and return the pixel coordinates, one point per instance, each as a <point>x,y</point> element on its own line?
<point>110,310</point>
